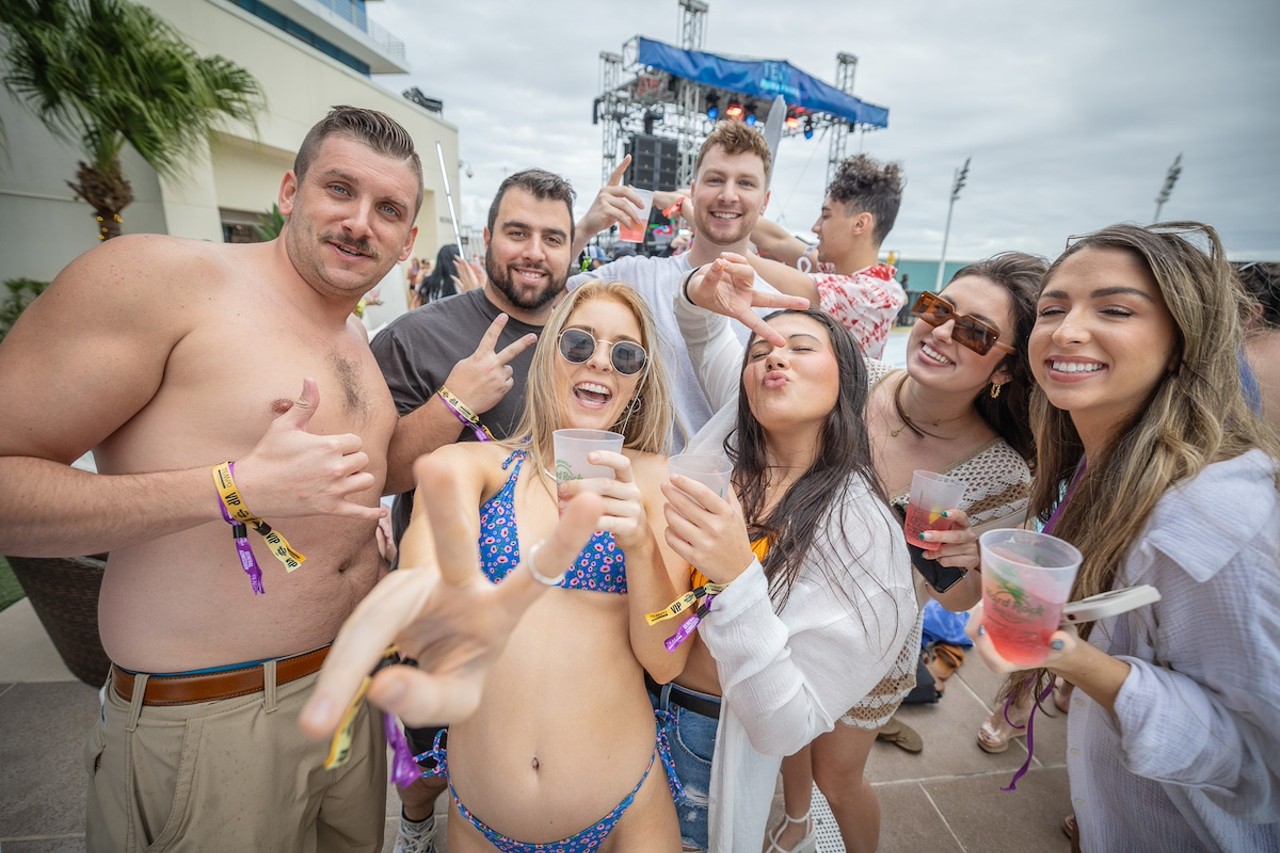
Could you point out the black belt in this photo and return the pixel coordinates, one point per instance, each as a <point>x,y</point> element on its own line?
<point>685,699</point>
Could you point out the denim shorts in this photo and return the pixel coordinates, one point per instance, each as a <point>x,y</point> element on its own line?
<point>692,741</point>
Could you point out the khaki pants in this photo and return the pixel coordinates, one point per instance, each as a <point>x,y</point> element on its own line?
<point>230,775</point>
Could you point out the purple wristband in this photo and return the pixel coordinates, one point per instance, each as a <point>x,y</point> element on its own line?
<point>240,534</point>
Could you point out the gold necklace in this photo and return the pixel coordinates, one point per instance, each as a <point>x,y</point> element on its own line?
<point>908,423</point>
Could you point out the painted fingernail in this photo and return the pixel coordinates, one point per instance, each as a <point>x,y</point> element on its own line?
<point>1057,645</point>
<point>982,630</point>
<point>945,514</point>
<point>925,535</point>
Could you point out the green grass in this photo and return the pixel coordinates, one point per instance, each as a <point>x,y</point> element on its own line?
<point>10,590</point>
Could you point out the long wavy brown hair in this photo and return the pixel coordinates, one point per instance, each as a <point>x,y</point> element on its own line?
<point>1195,415</point>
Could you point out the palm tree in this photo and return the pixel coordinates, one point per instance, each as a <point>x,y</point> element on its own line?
<point>105,72</point>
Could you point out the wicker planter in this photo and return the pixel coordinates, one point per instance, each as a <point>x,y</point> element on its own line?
<point>64,594</point>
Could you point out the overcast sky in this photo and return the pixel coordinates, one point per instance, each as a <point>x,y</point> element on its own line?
<point>1071,111</point>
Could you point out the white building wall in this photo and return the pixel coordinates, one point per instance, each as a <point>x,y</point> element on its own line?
<point>43,226</point>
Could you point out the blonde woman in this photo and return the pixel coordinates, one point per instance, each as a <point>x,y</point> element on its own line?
<point>563,748</point>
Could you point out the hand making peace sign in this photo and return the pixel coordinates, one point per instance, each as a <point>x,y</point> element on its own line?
<point>483,378</point>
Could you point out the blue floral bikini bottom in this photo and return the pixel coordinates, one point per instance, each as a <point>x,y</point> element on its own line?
<point>586,841</point>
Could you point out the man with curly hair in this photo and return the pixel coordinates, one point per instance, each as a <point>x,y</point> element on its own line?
<point>850,283</point>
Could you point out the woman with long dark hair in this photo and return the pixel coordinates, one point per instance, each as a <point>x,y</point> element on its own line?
<point>819,595</point>
<point>1151,463</point>
<point>440,283</point>
<point>959,408</point>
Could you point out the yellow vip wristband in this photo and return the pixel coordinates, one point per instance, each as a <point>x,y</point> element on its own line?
<point>229,495</point>
<point>674,609</point>
<point>280,548</point>
<point>340,744</point>
<point>236,508</point>
<point>686,601</point>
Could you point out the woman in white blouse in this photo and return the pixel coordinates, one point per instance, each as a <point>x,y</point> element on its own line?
<point>1153,465</point>
<point>819,596</point>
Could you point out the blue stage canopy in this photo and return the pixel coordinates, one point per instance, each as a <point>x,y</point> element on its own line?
<point>766,78</point>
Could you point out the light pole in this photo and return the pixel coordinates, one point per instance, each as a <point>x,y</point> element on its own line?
<point>1169,180</point>
<point>961,174</point>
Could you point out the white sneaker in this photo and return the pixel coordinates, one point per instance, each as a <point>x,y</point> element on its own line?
<point>416,837</point>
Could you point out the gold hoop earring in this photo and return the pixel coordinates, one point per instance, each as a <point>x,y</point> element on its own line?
<point>995,390</point>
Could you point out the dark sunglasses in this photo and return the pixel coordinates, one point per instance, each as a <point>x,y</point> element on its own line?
<point>969,332</point>
<point>577,346</point>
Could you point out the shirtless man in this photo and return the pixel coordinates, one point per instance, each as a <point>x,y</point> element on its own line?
<point>168,357</point>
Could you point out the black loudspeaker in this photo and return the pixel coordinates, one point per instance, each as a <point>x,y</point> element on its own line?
<point>655,162</point>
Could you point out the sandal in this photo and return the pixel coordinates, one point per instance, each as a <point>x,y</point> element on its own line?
<point>997,731</point>
<point>900,735</point>
<point>808,844</point>
<point>943,659</point>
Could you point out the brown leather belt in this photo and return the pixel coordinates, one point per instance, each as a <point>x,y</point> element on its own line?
<point>215,686</point>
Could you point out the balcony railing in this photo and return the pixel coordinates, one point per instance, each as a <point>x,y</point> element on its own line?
<point>353,12</point>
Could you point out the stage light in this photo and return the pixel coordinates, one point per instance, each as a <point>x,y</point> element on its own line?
<point>734,110</point>
<point>808,128</point>
<point>792,121</point>
<point>713,106</point>
<point>750,117</point>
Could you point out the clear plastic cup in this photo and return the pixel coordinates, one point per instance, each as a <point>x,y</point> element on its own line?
<point>1026,579</point>
<point>630,234</point>
<point>571,447</point>
<point>931,495</point>
<point>710,469</point>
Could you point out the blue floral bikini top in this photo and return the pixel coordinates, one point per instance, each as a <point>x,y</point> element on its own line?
<point>600,567</point>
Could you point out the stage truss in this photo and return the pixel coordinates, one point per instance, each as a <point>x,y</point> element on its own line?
<point>637,99</point>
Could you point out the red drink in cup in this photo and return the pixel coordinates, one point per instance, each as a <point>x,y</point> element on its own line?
<point>919,520</point>
<point>1026,579</point>
<point>931,495</point>
<point>636,233</point>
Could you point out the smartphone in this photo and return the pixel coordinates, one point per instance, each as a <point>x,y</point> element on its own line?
<point>940,577</point>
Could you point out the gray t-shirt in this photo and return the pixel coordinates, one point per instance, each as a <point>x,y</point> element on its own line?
<point>418,349</point>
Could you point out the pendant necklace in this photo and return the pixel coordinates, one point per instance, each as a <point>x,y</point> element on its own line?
<point>909,423</point>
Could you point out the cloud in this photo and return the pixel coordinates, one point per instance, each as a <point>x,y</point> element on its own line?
<point>1071,111</point>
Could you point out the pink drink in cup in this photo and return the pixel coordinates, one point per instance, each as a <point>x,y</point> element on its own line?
<point>1026,579</point>
<point>931,495</point>
<point>629,234</point>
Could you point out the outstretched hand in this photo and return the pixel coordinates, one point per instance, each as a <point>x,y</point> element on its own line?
<point>727,286</point>
<point>439,610</point>
<point>292,472</point>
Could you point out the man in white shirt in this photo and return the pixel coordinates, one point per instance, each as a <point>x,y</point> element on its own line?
<point>728,194</point>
